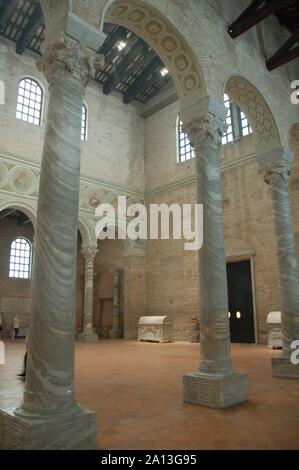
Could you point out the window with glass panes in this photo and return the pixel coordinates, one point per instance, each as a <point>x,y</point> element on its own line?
<point>20,259</point>
<point>84,124</point>
<point>185,150</point>
<point>245,126</point>
<point>228,136</point>
<point>237,122</point>
<point>30,101</point>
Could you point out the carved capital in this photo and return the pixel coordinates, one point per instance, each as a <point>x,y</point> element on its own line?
<point>275,163</point>
<point>209,128</point>
<point>89,254</point>
<point>67,55</point>
<point>282,168</point>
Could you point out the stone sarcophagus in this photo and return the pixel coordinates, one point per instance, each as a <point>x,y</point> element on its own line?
<point>274,330</point>
<point>156,329</point>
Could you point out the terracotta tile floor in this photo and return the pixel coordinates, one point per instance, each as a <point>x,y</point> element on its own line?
<point>136,391</point>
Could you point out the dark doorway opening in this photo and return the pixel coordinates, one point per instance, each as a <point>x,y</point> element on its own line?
<point>240,301</point>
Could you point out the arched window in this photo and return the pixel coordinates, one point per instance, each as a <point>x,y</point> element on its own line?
<point>84,124</point>
<point>30,101</point>
<point>229,134</point>
<point>237,122</point>
<point>185,150</point>
<point>20,259</point>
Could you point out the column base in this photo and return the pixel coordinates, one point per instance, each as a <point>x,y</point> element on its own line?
<point>215,391</point>
<point>87,337</point>
<point>64,432</point>
<point>282,367</point>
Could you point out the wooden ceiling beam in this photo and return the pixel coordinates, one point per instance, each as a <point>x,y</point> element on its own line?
<point>286,53</point>
<point>255,13</point>
<point>119,34</point>
<point>141,81</point>
<point>7,8</point>
<point>35,21</point>
<point>122,67</point>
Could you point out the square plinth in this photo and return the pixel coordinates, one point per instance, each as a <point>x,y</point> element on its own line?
<point>89,337</point>
<point>215,392</point>
<point>66,432</point>
<point>282,367</point>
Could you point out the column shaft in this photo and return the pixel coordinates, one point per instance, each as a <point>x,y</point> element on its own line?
<point>88,334</point>
<point>116,331</point>
<point>287,263</point>
<point>214,322</point>
<point>50,376</point>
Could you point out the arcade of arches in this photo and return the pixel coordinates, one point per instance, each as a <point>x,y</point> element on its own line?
<point>212,127</point>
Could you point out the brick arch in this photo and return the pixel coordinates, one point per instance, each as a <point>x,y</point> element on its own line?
<point>157,31</point>
<point>261,119</point>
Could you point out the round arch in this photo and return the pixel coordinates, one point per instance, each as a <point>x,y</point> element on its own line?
<point>261,119</point>
<point>23,207</point>
<point>157,31</point>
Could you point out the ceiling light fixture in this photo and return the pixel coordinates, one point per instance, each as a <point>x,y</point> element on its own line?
<point>164,71</point>
<point>121,45</point>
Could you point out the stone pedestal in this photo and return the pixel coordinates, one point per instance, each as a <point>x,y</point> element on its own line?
<point>215,392</point>
<point>282,367</point>
<point>74,431</point>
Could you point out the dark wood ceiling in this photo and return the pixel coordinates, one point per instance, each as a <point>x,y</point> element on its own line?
<point>134,71</point>
<point>287,12</point>
<point>18,216</point>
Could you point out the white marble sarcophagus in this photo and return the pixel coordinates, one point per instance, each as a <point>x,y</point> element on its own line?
<point>274,330</point>
<point>156,329</point>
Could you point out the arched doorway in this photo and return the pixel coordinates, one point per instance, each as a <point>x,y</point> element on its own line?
<point>16,254</point>
<point>109,290</point>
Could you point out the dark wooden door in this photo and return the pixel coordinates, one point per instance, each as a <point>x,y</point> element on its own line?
<point>240,302</point>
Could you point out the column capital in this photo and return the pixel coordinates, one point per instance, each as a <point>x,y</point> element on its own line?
<point>64,54</point>
<point>205,121</point>
<point>89,253</point>
<point>276,163</point>
<point>208,128</point>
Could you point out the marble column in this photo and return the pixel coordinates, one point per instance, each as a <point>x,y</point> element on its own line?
<point>116,331</point>
<point>215,384</point>
<point>50,417</point>
<point>88,335</point>
<point>276,167</point>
